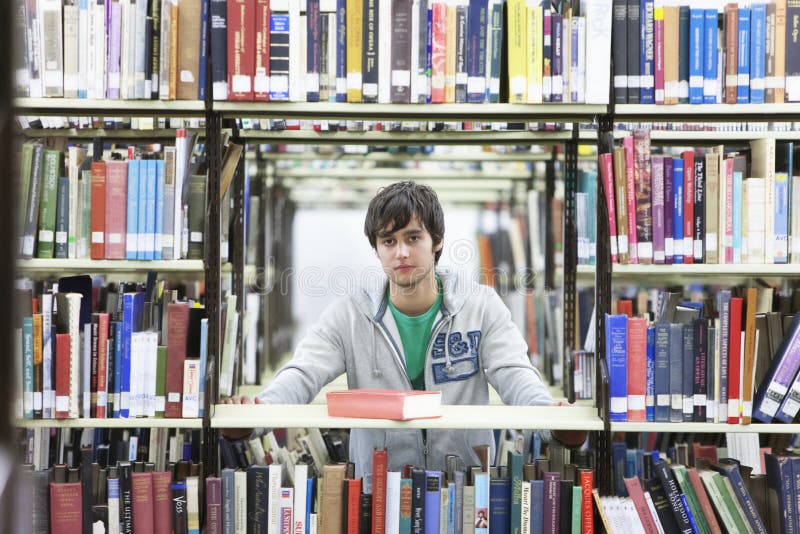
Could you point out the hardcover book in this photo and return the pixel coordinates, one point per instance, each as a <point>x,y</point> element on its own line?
<point>384,404</point>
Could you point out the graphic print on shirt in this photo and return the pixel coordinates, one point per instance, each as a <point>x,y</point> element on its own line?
<point>463,352</point>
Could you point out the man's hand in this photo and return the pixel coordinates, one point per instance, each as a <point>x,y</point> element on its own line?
<point>238,433</point>
<point>569,438</point>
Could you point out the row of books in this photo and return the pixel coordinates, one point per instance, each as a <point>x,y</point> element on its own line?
<point>420,51</point>
<point>728,360</point>
<point>712,206</point>
<point>142,208</point>
<point>143,355</point>
<point>669,54</point>
<point>125,497</point>
<point>112,50</point>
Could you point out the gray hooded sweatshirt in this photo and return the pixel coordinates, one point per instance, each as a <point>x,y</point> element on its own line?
<point>473,343</point>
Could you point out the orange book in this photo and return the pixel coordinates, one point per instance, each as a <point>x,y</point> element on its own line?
<point>353,497</point>
<point>749,354</point>
<point>62,376</point>
<point>587,511</point>
<point>734,361</point>
<point>396,404</point>
<point>379,466</point>
<point>98,217</point>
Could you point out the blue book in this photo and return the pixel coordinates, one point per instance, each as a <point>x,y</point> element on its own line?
<point>743,55</point>
<point>201,67</point>
<point>781,480</point>
<point>781,197</point>
<point>451,508</point>
<point>433,488</point>
<point>758,44</point>
<point>279,33</point>
<point>499,505</point>
<point>696,53</point>
<point>132,211</point>
<point>619,454</point>
<point>203,356</point>
<point>141,222</point>
<point>647,83</point>
<point>159,209</point>
<point>676,372</point>
<point>118,348</point>
<point>313,28</point>
<point>477,25</point>
<point>429,52</point>
<point>341,51</point>
<point>677,209</point>
<point>537,506</point>
<point>650,382</point>
<point>710,40</point>
<point>662,372</point>
<point>737,216</point>
<point>132,310</point>
<point>310,493</point>
<point>617,355</point>
<point>630,463</point>
<point>27,367</point>
<point>481,503</point>
<point>150,218</point>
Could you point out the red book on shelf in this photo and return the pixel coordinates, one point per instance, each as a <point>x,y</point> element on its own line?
<point>634,488</point>
<point>97,250</point>
<point>162,501</point>
<point>116,209</point>
<point>62,376</point>
<point>702,498</point>
<point>734,360</point>
<point>379,466</point>
<point>637,368</point>
<point>66,507</point>
<point>353,504</point>
<point>587,510</point>
<point>142,497</point>
<point>625,306</point>
<point>177,329</point>
<point>688,206</point>
<point>607,176</point>
<point>102,366</point>
<point>241,49</point>
<point>384,404</point>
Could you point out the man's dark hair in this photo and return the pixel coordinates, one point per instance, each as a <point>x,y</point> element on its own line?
<point>394,206</point>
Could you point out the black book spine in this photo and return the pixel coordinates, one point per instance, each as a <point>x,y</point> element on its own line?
<point>111,353</point>
<point>203,56</point>
<point>418,501</point>
<point>700,328</point>
<point>633,51</point>
<point>461,54</point>
<point>257,499</point>
<point>219,51</point>
<point>370,52</point>
<point>94,358</point>
<point>154,47</point>
<point>699,210</point>
<point>689,356</point>
<point>792,50</point>
<point>365,513</point>
<point>313,23</point>
<point>565,506</point>
<point>401,52</point>
<point>683,55</point>
<point>673,494</point>
<point>87,452</point>
<point>126,497</point>
<point>179,513</point>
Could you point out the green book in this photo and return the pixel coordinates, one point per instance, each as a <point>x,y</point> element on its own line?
<point>196,216</point>
<point>576,509</point>
<point>161,380</point>
<point>691,498</point>
<point>515,473</point>
<point>24,183</point>
<point>48,203</point>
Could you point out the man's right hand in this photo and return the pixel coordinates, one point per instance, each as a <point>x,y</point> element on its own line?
<point>238,433</point>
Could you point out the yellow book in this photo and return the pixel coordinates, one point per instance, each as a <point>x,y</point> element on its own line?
<point>450,54</point>
<point>517,67</point>
<point>534,56</point>
<point>354,22</point>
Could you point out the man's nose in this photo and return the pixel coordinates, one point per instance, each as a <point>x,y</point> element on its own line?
<point>402,250</point>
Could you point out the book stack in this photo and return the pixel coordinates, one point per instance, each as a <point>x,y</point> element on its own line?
<point>745,53</point>
<point>139,353</point>
<point>702,206</point>
<point>728,359</point>
<point>411,51</point>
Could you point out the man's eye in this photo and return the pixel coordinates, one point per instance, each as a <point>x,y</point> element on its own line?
<point>414,238</point>
<point>388,242</point>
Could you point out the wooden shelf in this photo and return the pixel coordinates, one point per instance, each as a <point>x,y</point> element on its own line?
<point>82,107</point>
<point>136,422</point>
<point>414,112</point>
<point>707,112</point>
<point>316,416</point>
<point>706,269</point>
<point>481,137</point>
<point>91,133</point>
<point>760,428</point>
<point>40,266</point>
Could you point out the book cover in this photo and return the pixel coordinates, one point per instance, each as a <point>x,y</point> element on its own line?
<point>384,404</point>
<point>617,354</point>
<point>643,194</point>
<point>620,38</point>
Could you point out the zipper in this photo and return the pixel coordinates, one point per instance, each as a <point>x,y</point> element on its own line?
<point>398,358</point>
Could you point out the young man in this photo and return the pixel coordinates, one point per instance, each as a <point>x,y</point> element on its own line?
<point>420,329</point>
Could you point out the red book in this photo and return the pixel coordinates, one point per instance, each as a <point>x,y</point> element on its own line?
<point>734,360</point>
<point>636,493</point>
<point>116,209</point>
<point>708,452</point>
<point>637,368</point>
<point>62,376</point>
<point>379,461</point>
<point>142,497</point>
<point>438,51</point>
<point>728,206</point>
<point>261,67</point>
<point>162,501</point>
<point>587,511</point>
<point>102,366</point>
<point>241,49</point>
<point>353,504</point>
<point>625,307</point>
<point>66,507</point>
<point>213,505</point>
<point>177,329</point>
<point>630,197</point>
<point>688,206</point>
<point>702,498</point>
<point>607,176</point>
<point>384,404</point>
<point>98,218</point>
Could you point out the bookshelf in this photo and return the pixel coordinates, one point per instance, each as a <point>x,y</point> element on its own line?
<point>140,422</point>
<point>710,428</point>
<point>705,270</point>
<point>107,134</point>
<point>41,267</point>
<point>462,416</point>
<point>79,106</point>
<point>478,137</point>
<point>707,113</point>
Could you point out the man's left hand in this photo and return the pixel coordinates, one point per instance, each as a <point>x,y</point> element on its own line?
<point>569,438</point>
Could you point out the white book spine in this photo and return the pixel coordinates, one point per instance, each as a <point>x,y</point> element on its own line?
<point>384,51</point>
<point>113,506</point>
<point>71,50</point>
<point>139,49</point>
<point>48,382</point>
<point>300,498</point>
<point>86,371</point>
<point>164,51</point>
<point>297,40</point>
<point>392,518</point>
<point>51,47</point>
<point>415,44</point>
<point>598,51</point>
<point>525,520</point>
<point>99,47</point>
<point>274,504</point>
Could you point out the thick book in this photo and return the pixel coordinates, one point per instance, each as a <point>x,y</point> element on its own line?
<point>730,468</point>
<point>66,514</point>
<point>617,354</point>
<point>384,404</point>
<point>673,494</point>
<point>779,377</point>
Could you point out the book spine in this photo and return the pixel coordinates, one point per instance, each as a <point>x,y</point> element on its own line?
<point>370,51</point>
<point>646,53</point>
<point>734,359</point>
<point>657,170</point>
<point>696,54</point>
<point>677,209</point>
<point>478,26</point>
<point>658,53</point>
<point>630,196</point>
<point>619,37</point>
<point>676,356</point>
<point>241,49</point>
<point>698,209</point>
<point>758,21</point>
<point>401,51</point>
<point>262,88</point>
<point>313,50</point>
<point>674,496</point>
<point>700,344</point>
<point>650,380</point>
<point>731,32</point>
<point>607,176</point>
<point>643,195</point>
<point>636,368</point>
<point>743,57</point>
<point>616,350</point>
<point>633,37</point>
<point>683,54</point>
<point>688,206</point>
<point>279,70</point>
<point>711,36</point>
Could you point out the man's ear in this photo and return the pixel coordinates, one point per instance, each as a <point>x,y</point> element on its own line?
<point>438,247</point>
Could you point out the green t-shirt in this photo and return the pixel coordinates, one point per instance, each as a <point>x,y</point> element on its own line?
<point>415,332</point>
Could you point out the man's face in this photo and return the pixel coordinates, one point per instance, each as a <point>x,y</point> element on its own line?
<point>407,254</point>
